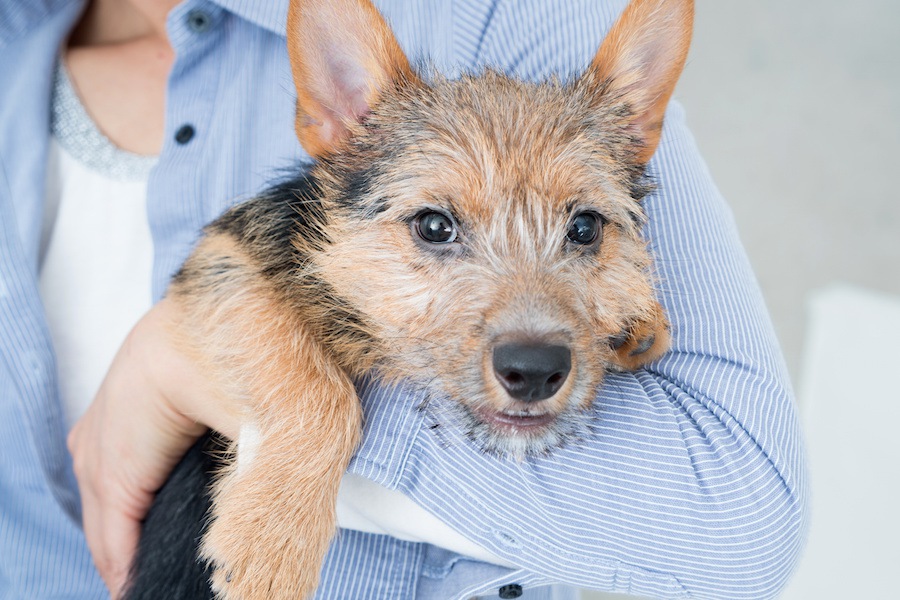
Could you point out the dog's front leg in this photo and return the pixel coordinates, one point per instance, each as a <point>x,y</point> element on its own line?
<point>274,508</point>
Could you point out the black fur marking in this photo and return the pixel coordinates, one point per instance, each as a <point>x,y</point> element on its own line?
<point>340,325</point>
<point>357,186</point>
<point>223,266</point>
<point>641,183</point>
<point>166,564</point>
<point>266,226</point>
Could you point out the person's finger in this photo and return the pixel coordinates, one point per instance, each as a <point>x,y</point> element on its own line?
<point>152,405</point>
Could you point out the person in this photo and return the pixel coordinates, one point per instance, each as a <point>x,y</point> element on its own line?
<point>692,484</point>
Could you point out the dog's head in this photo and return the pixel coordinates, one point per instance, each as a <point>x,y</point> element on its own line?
<point>488,228</point>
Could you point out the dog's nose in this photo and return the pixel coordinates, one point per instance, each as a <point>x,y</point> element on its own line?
<point>532,372</point>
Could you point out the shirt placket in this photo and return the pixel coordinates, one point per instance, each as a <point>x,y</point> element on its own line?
<point>175,190</point>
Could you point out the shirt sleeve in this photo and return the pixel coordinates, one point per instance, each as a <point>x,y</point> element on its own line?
<point>692,482</point>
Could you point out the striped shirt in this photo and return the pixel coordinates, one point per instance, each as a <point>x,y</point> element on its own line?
<point>692,484</point>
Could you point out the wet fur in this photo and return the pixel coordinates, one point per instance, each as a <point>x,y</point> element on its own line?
<point>322,279</point>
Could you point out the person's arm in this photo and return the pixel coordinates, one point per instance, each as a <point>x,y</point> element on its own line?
<point>153,404</point>
<point>693,481</point>
<point>693,475</point>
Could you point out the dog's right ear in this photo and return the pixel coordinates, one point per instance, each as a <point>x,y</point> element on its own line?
<point>343,56</point>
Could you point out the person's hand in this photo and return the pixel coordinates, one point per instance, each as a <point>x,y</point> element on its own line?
<point>154,403</point>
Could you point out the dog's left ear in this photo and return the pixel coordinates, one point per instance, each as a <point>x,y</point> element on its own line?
<point>639,64</point>
<point>343,56</point>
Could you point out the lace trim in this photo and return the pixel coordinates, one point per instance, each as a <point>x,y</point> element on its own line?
<point>77,133</point>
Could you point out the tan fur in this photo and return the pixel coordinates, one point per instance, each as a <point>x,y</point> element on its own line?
<point>663,28</point>
<point>278,514</point>
<point>283,324</point>
<point>356,33</point>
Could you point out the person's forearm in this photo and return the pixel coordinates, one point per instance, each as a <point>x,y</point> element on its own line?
<point>153,404</point>
<point>692,480</point>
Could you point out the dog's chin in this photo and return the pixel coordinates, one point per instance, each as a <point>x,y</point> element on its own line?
<point>524,434</point>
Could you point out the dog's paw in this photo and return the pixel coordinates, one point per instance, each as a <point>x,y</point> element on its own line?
<point>642,342</point>
<point>258,559</point>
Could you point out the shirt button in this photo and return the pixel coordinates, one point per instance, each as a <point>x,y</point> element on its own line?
<point>34,363</point>
<point>506,539</point>
<point>198,21</point>
<point>513,590</point>
<point>184,134</point>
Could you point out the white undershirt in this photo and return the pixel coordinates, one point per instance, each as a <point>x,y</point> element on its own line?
<point>96,264</point>
<point>95,273</point>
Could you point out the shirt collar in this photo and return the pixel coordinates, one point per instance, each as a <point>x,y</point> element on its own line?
<point>269,14</point>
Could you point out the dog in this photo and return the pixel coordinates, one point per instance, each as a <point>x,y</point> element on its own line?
<point>479,238</point>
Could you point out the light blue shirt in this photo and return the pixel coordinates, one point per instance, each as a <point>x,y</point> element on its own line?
<point>693,484</point>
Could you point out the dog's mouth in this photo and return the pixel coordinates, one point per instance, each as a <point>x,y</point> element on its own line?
<point>513,422</point>
<point>521,431</point>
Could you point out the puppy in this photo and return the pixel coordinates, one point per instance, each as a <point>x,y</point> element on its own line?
<point>478,238</point>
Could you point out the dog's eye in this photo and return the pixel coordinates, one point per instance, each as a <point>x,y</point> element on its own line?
<point>435,227</point>
<point>586,228</point>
